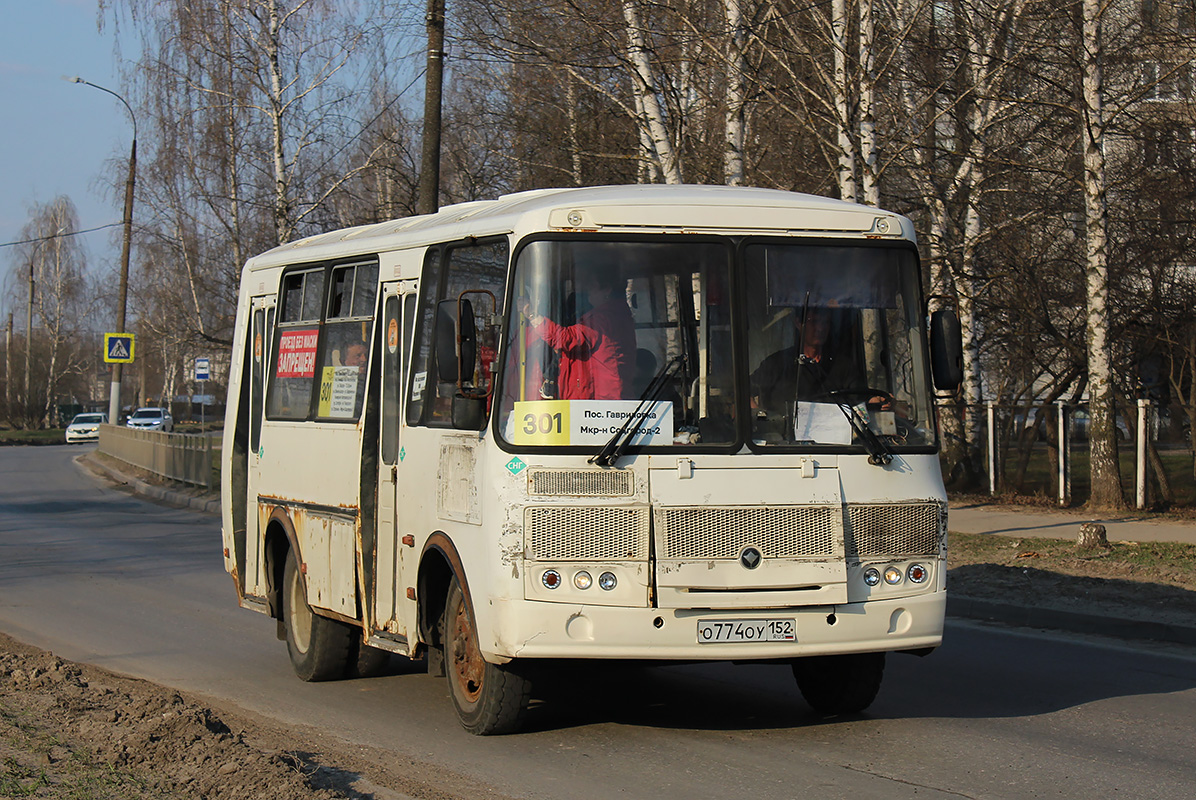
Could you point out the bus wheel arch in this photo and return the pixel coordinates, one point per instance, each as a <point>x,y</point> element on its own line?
<point>319,647</point>
<point>488,698</point>
<point>278,541</point>
<point>438,565</point>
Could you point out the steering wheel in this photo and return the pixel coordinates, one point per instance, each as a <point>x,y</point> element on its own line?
<point>861,393</point>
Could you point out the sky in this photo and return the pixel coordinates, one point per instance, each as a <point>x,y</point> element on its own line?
<point>57,136</point>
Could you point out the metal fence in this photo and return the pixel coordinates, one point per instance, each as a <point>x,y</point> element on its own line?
<point>185,457</point>
<point>1042,450</point>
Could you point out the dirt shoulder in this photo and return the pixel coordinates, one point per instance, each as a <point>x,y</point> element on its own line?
<point>73,730</point>
<point>1151,582</point>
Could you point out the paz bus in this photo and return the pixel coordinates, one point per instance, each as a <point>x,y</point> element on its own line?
<point>649,423</point>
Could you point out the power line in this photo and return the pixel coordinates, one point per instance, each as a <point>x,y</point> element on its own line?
<point>61,235</point>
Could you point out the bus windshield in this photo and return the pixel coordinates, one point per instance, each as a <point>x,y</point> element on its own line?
<point>593,323</point>
<point>636,335</point>
<point>834,337</point>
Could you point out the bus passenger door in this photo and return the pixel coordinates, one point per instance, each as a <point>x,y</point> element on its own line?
<point>389,595</point>
<point>261,329</point>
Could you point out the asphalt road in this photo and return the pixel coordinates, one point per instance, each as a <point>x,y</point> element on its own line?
<point>99,576</point>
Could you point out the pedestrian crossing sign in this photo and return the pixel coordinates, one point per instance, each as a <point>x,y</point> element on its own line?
<point>118,348</point>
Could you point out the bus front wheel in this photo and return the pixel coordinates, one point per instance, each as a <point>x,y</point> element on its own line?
<point>319,647</point>
<point>841,684</point>
<point>489,698</point>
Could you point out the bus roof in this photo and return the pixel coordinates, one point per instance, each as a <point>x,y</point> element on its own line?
<point>643,208</point>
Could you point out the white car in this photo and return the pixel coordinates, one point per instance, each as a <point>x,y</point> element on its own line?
<point>85,428</point>
<point>151,419</point>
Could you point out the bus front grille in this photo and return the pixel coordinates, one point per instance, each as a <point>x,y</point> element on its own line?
<point>895,529</point>
<point>580,482</point>
<point>723,533</point>
<point>569,533</point>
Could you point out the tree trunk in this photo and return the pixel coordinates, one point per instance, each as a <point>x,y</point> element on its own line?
<point>283,224</point>
<point>644,78</point>
<point>735,97</point>
<point>870,181</point>
<point>1104,469</point>
<point>848,189</point>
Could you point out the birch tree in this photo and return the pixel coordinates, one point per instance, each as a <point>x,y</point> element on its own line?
<point>1104,469</point>
<point>51,271</point>
<point>647,95</point>
<point>950,118</point>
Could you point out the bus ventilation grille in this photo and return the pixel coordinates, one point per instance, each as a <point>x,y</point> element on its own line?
<point>568,533</point>
<point>580,483</point>
<point>897,529</point>
<point>723,533</point>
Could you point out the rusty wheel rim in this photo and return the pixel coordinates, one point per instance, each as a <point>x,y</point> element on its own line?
<point>467,666</point>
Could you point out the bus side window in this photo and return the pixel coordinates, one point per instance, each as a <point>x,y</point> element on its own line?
<point>293,369</point>
<point>347,330</point>
<point>392,349</point>
<point>447,273</point>
<point>429,293</point>
<point>263,326</point>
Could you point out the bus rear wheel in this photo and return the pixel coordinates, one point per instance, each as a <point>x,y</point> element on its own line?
<point>319,647</point>
<point>489,698</point>
<point>842,684</point>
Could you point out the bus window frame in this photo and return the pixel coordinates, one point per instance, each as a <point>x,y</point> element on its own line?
<point>440,255</point>
<point>327,270</point>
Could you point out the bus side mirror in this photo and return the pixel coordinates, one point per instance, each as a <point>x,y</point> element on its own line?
<point>456,341</point>
<point>467,339</point>
<point>946,350</point>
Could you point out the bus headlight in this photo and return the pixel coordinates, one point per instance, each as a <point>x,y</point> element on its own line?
<point>871,576</point>
<point>607,581</point>
<point>917,573</point>
<point>582,580</point>
<point>551,579</point>
<point>892,576</point>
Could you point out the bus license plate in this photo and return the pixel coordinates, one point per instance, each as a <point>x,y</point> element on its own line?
<point>711,631</point>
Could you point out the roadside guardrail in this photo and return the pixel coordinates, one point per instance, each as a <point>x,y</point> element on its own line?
<point>184,457</point>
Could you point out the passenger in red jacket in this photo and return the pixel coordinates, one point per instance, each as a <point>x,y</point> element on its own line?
<point>597,354</point>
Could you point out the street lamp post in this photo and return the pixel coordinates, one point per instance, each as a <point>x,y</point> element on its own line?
<point>117,372</point>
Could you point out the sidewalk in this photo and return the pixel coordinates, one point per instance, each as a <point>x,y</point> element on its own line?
<point>1003,520</point>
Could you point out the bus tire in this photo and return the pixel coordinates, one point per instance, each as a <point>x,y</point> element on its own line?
<point>843,684</point>
<point>319,647</point>
<point>489,698</point>
<point>366,661</point>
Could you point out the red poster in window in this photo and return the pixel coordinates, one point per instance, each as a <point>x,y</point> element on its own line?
<point>297,353</point>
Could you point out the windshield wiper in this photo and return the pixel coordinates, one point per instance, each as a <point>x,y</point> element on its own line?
<point>879,453</point>
<point>610,452</point>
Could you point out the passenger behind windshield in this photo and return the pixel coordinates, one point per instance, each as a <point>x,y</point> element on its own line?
<point>596,355</point>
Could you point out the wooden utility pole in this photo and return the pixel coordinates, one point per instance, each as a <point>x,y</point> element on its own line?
<point>8,368</point>
<point>429,173</point>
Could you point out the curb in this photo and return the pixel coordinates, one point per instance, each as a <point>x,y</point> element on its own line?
<point>1072,621</point>
<point>206,505</point>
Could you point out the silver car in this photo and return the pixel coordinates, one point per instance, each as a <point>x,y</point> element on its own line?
<point>85,428</point>
<point>151,419</point>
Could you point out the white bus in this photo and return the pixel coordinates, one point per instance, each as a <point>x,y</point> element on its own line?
<point>654,423</point>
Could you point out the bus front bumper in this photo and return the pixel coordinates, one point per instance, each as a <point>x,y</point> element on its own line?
<point>530,629</point>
